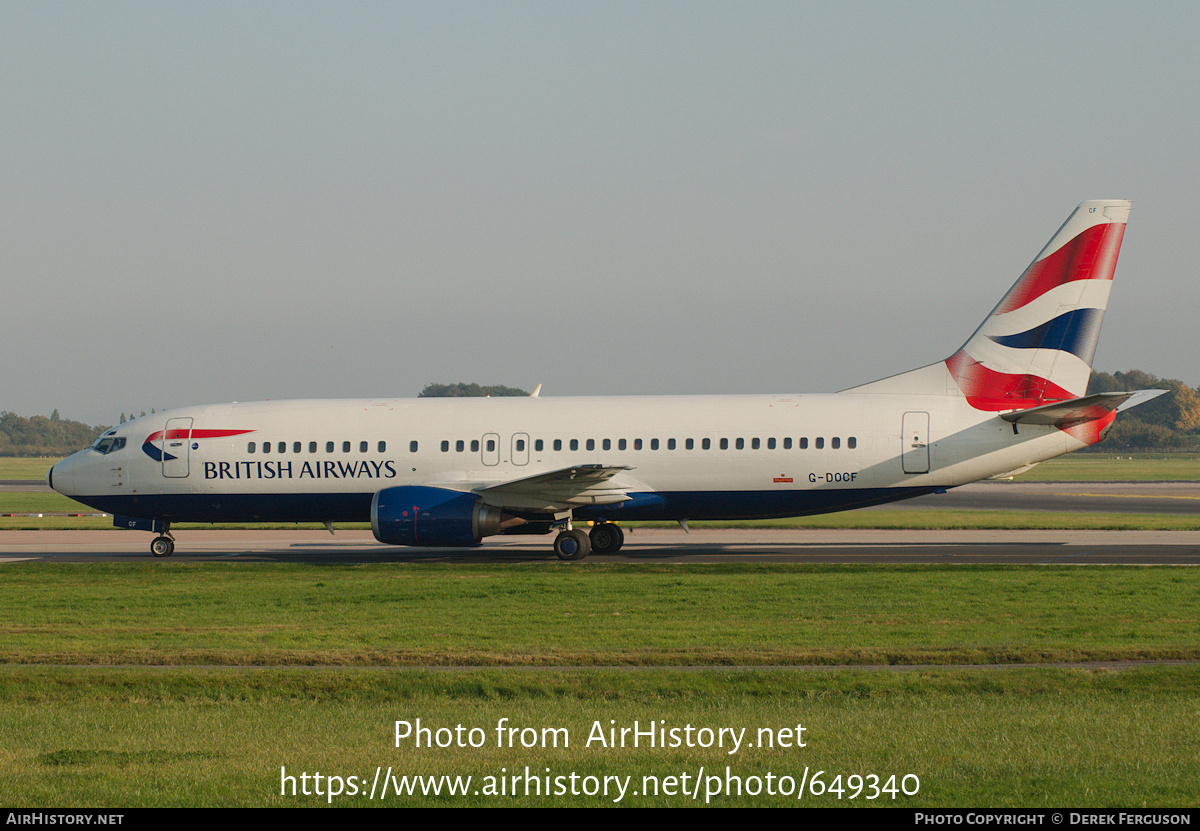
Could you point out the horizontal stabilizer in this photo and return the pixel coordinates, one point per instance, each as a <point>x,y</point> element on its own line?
<point>1088,408</point>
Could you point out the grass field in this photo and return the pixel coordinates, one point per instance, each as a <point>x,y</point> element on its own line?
<point>327,659</point>
<point>1012,738</point>
<point>182,684</point>
<point>601,614</point>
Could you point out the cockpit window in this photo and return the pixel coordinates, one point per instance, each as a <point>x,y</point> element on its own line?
<point>108,444</point>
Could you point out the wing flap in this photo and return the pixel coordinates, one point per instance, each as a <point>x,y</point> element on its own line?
<point>558,490</point>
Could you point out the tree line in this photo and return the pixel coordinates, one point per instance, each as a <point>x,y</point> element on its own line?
<point>1169,422</point>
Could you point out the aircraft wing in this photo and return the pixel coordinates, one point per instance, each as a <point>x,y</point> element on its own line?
<point>1088,408</point>
<point>558,490</point>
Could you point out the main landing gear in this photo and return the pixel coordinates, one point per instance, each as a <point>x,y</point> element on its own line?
<point>575,544</point>
<point>164,545</point>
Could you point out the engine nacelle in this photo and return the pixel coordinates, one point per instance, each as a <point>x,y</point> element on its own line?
<point>415,515</point>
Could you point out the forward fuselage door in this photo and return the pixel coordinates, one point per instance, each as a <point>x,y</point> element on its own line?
<point>176,447</point>
<point>914,443</point>
<point>491,448</point>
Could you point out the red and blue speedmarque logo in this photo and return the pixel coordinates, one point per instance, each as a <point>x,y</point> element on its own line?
<point>159,454</point>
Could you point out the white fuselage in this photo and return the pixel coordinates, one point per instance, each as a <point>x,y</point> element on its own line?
<point>703,456</point>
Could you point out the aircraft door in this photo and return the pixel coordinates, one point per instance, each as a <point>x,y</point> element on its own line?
<point>176,447</point>
<point>490,446</point>
<point>914,443</point>
<point>520,448</point>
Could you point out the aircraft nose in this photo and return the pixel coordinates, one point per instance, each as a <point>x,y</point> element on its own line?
<point>59,477</point>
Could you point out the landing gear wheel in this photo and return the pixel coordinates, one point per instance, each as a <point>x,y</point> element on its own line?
<point>607,538</point>
<point>572,545</point>
<point>162,547</point>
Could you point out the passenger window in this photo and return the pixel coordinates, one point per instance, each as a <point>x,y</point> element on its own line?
<point>804,443</point>
<point>820,443</point>
<point>770,444</point>
<point>266,447</point>
<point>705,444</point>
<point>724,444</point>
<point>283,447</point>
<point>621,444</point>
<point>851,443</point>
<point>591,444</point>
<point>328,447</point>
<point>521,445</point>
<point>459,446</point>
<point>474,445</point>
<point>558,444</point>
<point>741,444</point>
<point>608,444</point>
<point>538,445</point>
<point>654,444</point>
<point>835,442</point>
<point>637,444</point>
<point>250,447</point>
<point>412,447</point>
<point>382,446</point>
<point>574,444</point>
<point>445,447</point>
<point>787,443</point>
<point>296,447</point>
<point>670,444</point>
<point>690,444</point>
<point>312,447</point>
<point>362,447</point>
<point>345,447</point>
<point>754,444</point>
<point>491,446</point>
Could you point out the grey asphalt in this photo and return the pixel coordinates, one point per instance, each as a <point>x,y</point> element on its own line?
<point>641,546</point>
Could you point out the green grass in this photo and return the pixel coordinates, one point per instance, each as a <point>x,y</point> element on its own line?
<point>1106,467</point>
<point>1014,738</point>
<point>591,614</point>
<point>26,468</point>
<point>327,658</point>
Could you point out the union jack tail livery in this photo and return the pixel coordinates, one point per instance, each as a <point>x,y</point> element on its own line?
<point>1036,347</point>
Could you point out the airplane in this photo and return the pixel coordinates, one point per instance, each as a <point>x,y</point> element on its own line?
<point>451,471</point>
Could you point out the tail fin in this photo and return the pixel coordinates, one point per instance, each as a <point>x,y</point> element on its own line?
<point>1036,346</point>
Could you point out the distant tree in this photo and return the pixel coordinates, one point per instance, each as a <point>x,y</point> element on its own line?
<point>1179,410</point>
<point>461,390</point>
<point>42,436</point>
<point>54,416</point>
<point>1169,421</point>
<point>122,418</point>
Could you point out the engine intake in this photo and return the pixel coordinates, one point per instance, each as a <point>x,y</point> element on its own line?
<point>415,515</point>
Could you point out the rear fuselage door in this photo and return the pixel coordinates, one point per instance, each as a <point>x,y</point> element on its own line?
<point>914,443</point>
<point>176,447</point>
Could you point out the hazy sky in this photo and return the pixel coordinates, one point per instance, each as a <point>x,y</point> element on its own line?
<point>206,201</point>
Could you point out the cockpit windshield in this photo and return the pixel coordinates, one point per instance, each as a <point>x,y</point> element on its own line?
<point>108,444</point>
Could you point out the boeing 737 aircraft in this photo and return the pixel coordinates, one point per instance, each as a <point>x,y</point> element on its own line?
<point>451,471</point>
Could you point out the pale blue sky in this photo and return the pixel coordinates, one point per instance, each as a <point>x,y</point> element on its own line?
<point>206,202</point>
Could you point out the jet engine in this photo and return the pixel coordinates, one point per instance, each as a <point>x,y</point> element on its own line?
<point>415,515</point>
